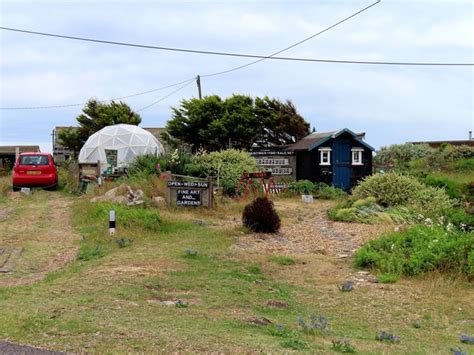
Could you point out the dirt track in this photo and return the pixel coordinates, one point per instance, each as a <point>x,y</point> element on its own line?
<point>40,225</point>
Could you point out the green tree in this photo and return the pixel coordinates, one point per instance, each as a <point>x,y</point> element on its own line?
<point>95,116</point>
<point>238,122</point>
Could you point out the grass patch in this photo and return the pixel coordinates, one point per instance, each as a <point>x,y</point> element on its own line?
<point>282,260</point>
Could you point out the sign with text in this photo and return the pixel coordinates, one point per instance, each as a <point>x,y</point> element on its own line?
<point>190,184</point>
<point>188,197</point>
<point>271,152</point>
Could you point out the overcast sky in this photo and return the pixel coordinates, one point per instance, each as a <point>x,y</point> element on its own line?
<point>393,104</point>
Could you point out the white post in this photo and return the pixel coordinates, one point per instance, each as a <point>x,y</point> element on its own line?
<point>111,222</point>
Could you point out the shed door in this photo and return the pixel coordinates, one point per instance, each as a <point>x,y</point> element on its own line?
<point>341,165</point>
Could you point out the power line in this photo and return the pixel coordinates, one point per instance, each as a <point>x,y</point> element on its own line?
<point>166,96</point>
<point>102,101</point>
<point>241,55</point>
<point>295,44</point>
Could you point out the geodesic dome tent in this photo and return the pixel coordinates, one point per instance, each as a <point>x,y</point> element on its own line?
<point>128,141</point>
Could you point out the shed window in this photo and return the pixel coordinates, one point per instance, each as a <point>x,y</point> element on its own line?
<point>325,156</point>
<point>357,156</point>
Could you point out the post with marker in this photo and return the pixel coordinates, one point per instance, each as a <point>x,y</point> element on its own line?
<point>112,222</point>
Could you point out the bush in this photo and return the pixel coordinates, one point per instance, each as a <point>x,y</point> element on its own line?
<point>390,189</point>
<point>326,192</point>
<point>302,187</point>
<point>400,155</point>
<point>452,188</point>
<point>393,189</point>
<point>260,216</point>
<point>68,176</point>
<point>464,165</point>
<point>418,250</point>
<point>145,164</point>
<point>226,165</point>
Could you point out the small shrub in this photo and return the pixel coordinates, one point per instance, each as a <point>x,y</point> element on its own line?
<point>260,216</point>
<point>145,164</point>
<point>294,343</point>
<point>315,324</point>
<point>387,337</point>
<point>326,192</point>
<point>123,242</point>
<point>343,346</point>
<point>302,187</point>
<point>393,189</point>
<point>90,252</point>
<point>282,260</point>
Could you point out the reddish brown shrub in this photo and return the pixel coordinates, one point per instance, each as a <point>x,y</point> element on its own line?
<point>260,216</point>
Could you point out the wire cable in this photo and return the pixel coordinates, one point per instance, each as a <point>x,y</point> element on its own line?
<point>241,55</point>
<point>295,44</point>
<point>166,96</point>
<point>101,101</point>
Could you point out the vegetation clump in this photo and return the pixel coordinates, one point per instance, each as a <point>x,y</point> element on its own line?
<point>260,216</point>
<point>418,250</point>
<point>319,190</point>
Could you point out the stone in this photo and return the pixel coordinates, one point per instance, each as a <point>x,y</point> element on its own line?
<point>25,191</point>
<point>307,198</point>
<point>158,201</point>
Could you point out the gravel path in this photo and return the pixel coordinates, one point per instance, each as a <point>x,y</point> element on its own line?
<point>306,229</point>
<point>10,348</point>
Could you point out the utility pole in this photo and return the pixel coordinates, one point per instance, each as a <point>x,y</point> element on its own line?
<point>198,82</point>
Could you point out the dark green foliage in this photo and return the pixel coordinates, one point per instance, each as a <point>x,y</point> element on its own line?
<point>212,123</point>
<point>145,164</point>
<point>260,216</point>
<point>464,165</point>
<point>461,220</point>
<point>89,252</point>
<point>123,242</point>
<point>420,249</point>
<point>319,190</point>
<point>96,115</point>
<point>452,188</point>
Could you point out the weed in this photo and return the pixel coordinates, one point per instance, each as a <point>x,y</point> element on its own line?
<point>191,253</point>
<point>282,259</point>
<point>123,242</point>
<point>294,343</point>
<point>343,346</point>
<point>315,324</point>
<point>387,337</point>
<point>90,252</point>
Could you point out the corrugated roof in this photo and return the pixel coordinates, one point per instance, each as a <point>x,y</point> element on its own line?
<point>11,149</point>
<point>314,139</point>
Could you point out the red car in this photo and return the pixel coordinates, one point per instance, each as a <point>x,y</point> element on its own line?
<point>35,170</point>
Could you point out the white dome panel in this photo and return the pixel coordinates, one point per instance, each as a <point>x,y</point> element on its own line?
<point>129,141</point>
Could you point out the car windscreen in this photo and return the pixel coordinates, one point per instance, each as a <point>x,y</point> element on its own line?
<point>34,160</point>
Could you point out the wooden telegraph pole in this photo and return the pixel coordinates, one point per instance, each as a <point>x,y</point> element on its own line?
<point>198,82</point>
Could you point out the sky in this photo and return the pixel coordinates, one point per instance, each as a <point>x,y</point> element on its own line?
<point>392,104</point>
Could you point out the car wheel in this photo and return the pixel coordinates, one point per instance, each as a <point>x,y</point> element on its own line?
<point>16,188</point>
<point>52,187</point>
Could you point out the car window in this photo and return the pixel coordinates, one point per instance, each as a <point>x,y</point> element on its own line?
<point>34,160</point>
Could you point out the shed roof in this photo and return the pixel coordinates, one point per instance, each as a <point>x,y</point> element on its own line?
<point>314,140</point>
<point>11,149</point>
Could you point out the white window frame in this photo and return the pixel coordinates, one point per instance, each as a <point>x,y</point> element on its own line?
<point>359,153</point>
<point>322,152</point>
